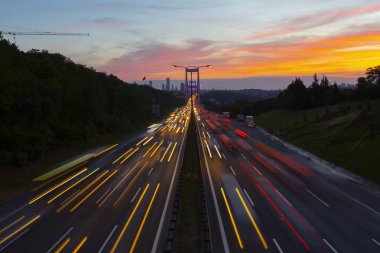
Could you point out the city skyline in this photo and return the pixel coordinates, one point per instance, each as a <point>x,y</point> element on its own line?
<point>241,39</point>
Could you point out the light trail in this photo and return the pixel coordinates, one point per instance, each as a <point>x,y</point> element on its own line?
<point>141,140</point>
<point>144,219</point>
<point>129,220</point>
<point>129,150</point>
<point>13,223</point>
<point>208,149</point>
<point>148,141</point>
<point>80,245</point>
<point>155,150</point>
<point>129,155</point>
<point>150,149</point>
<point>105,150</point>
<point>170,156</point>
<point>166,151</point>
<point>63,245</point>
<point>19,229</point>
<point>217,150</point>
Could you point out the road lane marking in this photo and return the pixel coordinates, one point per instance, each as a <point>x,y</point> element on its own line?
<point>243,156</point>
<point>19,229</point>
<point>144,219</point>
<point>14,239</point>
<point>232,170</point>
<point>330,246</point>
<point>13,223</point>
<point>277,246</point>
<point>92,192</point>
<point>282,196</point>
<point>63,245</point>
<point>68,198</point>
<point>216,204</point>
<point>104,194</point>
<point>80,245</point>
<point>134,196</point>
<point>157,238</point>
<point>55,187</point>
<point>315,196</point>
<point>225,158</point>
<point>374,240</point>
<point>60,240</point>
<point>129,220</point>
<point>71,186</point>
<point>249,199</point>
<point>107,239</point>
<point>150,171</point>
<point>252,220</point>
<point>217,150</point>
<point>232,220</point>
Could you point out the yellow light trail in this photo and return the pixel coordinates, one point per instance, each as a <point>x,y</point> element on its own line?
<point>56,186</point>
<point>208,149</point>
<point>148,141</point>
<point>177,130</point>
<point>183,129</point>
<point>209,136</point>
<point>166,151</point>
<point>217,150</point>
<point>71,186</point>
<point>129,155</point>
<point>129,186</point>
<point>141,141</point>
<point>155,150</point>
<point>232,220</point>
<point>121,181</point>
<point>80,245</point>
<point>129,150</point>
<point>204,135</point>
<point>81,191</point>
<point>13,223</point>
<point>105,150</point>
<point>63,245</point>
<point>129,220</point>
<point>154,144</point>
<point>252,220</point>
<point>92,192</point>
<point>171,153</point>
<point>19,229</point>
<point>144,219</point>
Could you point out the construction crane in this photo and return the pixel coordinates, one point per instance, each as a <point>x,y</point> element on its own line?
<point>41,33</point>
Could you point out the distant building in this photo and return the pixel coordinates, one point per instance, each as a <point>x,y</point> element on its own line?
<point>163,86</point>
<point>182,87</point>
<point>176,88</point>
<point>168,84</point>
<point>172,87</point>
<point>151,83</point>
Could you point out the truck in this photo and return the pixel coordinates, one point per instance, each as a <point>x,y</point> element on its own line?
<point>240,117</point>
<point>226,115</point>
<point>249,122</point>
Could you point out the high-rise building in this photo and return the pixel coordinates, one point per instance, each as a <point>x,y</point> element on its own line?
<point>163,86</point>
<point>172,87</point>
<point>168,84</point>
<point>150,83</point>
<point>182,87</point>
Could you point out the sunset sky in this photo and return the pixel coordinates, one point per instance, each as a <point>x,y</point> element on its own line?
<point>247,41</point>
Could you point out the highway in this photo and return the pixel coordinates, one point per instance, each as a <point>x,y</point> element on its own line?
<point>116,201</point>
<point>265,197</point>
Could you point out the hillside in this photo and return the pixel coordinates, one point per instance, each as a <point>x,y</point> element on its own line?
<point>347,134</point>
<point>48,102</point>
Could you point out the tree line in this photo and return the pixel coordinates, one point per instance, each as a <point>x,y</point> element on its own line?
<point>320,92</point>
<point>48,101</point>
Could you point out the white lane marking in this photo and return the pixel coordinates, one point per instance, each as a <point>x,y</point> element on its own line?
<point>315,196</point>
<point>12,213</point>
<point>282,196</point>
<point>60,240</point>
<point>330,246</point>
<point>221,227</point>
<point>69,197</point>
<point>258,172</point>
<point>102,196</point>
<point>243,156</point>
<point>224,157</point>
<point>249,199</point>
<point>352,198</point>
<point>159,230</point>
<point>108,238</point>
<point>277,246</point>
<point>150,171</point>
<point>158,158</point>
<point>374,240</point>
<point>14,239</point>
<point>134,196</point>
<point>233,171</point>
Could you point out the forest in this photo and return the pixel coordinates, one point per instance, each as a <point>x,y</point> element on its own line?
<point>47,101</point>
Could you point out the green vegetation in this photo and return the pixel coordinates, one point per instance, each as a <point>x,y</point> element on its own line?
<point>346,134</point>
<point>48,102</point>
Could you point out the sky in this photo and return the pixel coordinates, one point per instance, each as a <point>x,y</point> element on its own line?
<point>250,43</point>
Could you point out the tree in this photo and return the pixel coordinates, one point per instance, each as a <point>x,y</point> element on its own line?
<point>373,75</point>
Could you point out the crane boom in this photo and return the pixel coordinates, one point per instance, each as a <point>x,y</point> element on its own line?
<point>44,33</point>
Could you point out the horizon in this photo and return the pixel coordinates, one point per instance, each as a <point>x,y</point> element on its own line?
<point>242,40</point>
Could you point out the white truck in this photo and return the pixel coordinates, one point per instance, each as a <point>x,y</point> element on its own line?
<point>240,117</point>
<point>249,122</point>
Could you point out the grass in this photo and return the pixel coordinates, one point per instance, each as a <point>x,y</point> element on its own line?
<point>348,137</point>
